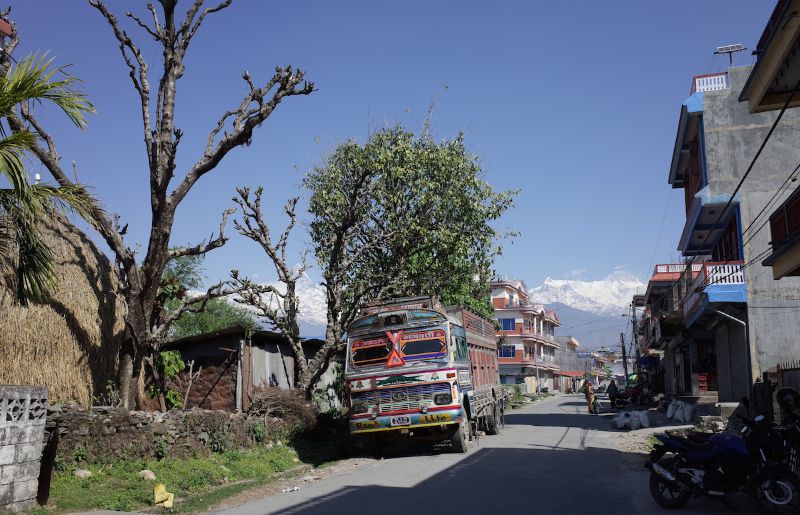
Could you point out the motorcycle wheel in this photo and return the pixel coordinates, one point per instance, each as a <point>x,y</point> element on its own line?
<point>666,495</point>
<point>775,491</point>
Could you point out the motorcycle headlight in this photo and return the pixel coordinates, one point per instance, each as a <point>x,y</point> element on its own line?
<point>359,408</point>
<point>443,398</point>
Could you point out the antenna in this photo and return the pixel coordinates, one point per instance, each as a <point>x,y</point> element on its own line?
<point>730,50</point>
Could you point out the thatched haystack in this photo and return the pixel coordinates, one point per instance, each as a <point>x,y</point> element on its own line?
<point>70,344</point>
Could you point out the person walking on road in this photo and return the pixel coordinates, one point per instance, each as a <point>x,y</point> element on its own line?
<point>588,390</point>
<point>612,391</point>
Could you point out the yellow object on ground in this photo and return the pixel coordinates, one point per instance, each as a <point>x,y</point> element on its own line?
<point>161,497</point>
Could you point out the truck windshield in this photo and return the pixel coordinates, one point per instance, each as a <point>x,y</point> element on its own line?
<point>424,344</point>
<point>370,352</point>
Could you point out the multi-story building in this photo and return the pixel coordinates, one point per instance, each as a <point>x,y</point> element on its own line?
<point>527,341</point>
<point>688,360</point>
<point>727,297</point>
<point>573,369</point>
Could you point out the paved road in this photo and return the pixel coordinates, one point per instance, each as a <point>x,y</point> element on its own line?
<point>551,456</point>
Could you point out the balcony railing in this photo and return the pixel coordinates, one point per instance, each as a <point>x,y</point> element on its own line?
<point>730,272</point>
<point>784,223</point>
<point>676,267</point>
<point>710,82</point>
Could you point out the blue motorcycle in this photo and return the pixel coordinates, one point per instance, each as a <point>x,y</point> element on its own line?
<point>720,465</point>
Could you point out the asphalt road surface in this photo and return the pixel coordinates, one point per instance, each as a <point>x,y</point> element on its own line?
<point>551,457</point>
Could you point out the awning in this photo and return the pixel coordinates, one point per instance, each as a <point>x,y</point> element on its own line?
<point>570,373</point>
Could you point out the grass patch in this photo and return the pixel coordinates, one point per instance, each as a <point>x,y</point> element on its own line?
<point>117,486</point>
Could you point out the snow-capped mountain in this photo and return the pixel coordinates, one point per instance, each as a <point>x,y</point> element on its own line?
<point>610,295</point>
<point>313,315</point>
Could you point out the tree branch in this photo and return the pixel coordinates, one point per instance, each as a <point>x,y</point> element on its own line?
<point>188,33</point>
<point>141,85</point>
<point>143,25</point>
<point>213,243</point>
<point>194,304</point>
<point>246,119</point>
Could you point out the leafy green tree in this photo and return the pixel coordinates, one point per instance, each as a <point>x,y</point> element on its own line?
<point>31,81</point>
<point>181,276</point>
<point>218,314</point>
<point>401,214</point>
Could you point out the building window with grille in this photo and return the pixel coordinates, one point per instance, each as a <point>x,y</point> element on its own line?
<point>507,324</point>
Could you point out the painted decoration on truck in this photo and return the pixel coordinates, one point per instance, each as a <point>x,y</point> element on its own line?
<point>394,380</point>
<point>387,381</point>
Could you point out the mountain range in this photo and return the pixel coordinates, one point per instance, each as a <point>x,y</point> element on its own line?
<point>594,312</point>
<point>591,311</point>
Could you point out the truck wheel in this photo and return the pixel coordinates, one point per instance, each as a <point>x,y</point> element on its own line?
<point>493,421</point>
<point>460,438</point>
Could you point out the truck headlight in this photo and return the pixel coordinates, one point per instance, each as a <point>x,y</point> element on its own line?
<point>359,407</point>
<point>443,398</point>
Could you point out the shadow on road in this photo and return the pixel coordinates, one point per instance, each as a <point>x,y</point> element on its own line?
<point>567,417</point>
<point>505,480</point>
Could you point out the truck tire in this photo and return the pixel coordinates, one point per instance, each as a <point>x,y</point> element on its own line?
<point>460,437</point>
<point>493,421</point>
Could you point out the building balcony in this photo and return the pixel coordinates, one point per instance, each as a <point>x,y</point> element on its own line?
<point>716,284</point>
<point>704,226</point>
<point>784,225</point>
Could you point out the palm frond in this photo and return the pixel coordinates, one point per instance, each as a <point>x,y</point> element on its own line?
<point>32,261</point>
<point>32,79</point>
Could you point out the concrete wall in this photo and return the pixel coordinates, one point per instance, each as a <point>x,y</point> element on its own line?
<point>23,414</point>
<point>732,137</point>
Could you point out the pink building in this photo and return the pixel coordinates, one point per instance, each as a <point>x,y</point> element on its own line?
<point>526,337</point>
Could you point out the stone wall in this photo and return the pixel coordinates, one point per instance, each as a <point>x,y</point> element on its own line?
<point>23,413</point>
<point>103,433</point>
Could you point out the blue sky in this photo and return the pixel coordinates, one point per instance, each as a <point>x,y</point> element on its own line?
<point>575,103</point>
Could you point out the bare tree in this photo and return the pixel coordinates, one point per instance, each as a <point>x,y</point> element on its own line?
<point>280,306</point>
<point>346,234</point>
<point>146,323</point>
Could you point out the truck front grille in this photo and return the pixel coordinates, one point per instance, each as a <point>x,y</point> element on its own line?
<point>403,398</point>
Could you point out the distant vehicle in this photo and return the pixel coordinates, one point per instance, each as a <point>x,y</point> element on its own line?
<point>418,371</point>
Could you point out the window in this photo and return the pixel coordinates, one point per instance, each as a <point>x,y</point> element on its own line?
<point>370,352</point>
<point>507,324</point>
<point>424,344</point>
<point>506,351</point>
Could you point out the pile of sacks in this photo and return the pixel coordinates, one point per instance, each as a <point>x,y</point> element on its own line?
<point>680,411</point>
<point>631,420</point>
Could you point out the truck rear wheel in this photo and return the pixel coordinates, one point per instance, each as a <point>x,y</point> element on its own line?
<point>493,421</point>
<point>460,438</point>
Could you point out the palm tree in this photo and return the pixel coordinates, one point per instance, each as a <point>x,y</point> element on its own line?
<point>23,204</point>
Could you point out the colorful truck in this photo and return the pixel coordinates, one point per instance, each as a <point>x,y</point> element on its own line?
<point>417,370</point>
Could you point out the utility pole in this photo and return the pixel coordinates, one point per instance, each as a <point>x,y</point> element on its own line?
<point>624,357</point>
<point>637,367</point>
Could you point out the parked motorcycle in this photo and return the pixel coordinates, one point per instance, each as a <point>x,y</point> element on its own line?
<point>722,464</point>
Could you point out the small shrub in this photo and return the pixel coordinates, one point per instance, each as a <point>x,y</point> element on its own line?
<point>160,450</point>
<point>218,438</point>
<point>257,431</point>
<point>79,454</point>
<point>173,398</point>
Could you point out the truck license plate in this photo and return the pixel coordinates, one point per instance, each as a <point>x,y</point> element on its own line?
<point>400,421</point>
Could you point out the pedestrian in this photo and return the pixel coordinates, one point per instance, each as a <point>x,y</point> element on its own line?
<point>588,390</point>
<point>612,392</point>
